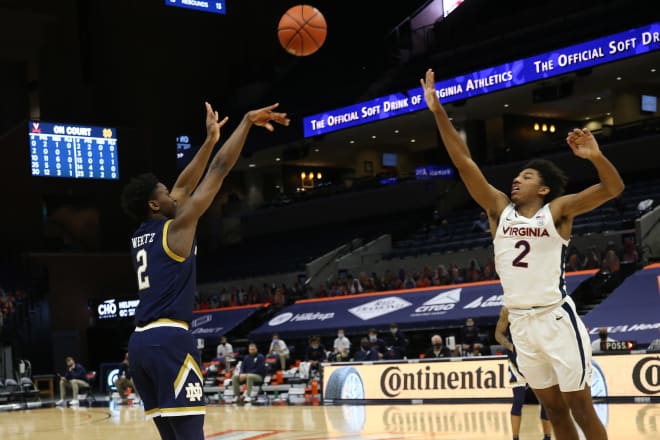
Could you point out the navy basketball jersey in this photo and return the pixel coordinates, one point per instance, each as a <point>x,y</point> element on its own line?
<point>166,281</point>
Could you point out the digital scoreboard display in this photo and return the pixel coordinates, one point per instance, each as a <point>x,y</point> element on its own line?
<point>73,151</point>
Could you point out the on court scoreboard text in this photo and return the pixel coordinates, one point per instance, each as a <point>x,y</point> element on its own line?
<point>75,151</point>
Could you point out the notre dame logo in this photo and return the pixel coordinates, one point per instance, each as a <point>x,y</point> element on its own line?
<point>646,375</point>
<point>194,392</point>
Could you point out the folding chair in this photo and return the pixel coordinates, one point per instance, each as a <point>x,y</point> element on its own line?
<point>31,395</point>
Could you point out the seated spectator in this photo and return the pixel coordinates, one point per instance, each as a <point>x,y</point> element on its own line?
<point>377,343</point>
<point>600,344</point>
<point>654,345</point>
<point>74,378</point>
<point>440,276</point>
<point>124,383</point>
<point>573,263</point>
<point>366,352</point>
<point>315,354</point>
<point>396,343</point>
<point>279,349</point>
<point>592,260</point>
<point>444,230</point>
<point>481,224</point>
<point>341,347</point>
<point>455,275</point>
<point>489,271</point>
<point>470,336</point>
<point>473,272</point>
<point>437,348</point>
<point>630,254</point>
<point>225,352</point>
<point>251,371</point>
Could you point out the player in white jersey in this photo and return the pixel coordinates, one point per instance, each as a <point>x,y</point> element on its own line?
<point>531,230</point>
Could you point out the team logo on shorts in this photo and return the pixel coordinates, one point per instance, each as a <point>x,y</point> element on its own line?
<point>194,392</point>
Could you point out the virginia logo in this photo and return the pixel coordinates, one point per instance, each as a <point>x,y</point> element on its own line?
<point>379,307</point>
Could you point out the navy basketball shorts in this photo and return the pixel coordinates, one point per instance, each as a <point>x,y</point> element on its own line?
<point>164,364</point>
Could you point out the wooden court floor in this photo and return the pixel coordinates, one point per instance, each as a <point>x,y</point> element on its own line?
<point>227,422</point>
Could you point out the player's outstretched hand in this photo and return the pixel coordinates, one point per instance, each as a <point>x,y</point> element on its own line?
<point>213,124</point>
<point>264,116</point>
<point>430,94</point>
<point>583,143</point>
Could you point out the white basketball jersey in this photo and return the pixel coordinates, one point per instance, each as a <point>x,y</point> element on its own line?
<point>529,259</point>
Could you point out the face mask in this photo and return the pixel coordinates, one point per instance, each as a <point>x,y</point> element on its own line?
<point>340,335</point>
<point>372,338</point>
<point>394,330</point>
<point>315,347</point>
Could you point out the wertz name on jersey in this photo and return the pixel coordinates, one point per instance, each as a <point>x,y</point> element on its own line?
<point>525,231</point>
<point>143,239</point>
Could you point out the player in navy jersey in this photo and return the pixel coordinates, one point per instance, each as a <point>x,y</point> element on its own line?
<point>531,230</point>
<point>164,358</point>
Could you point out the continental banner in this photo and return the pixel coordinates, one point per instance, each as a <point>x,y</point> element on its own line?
<point>635,376</point>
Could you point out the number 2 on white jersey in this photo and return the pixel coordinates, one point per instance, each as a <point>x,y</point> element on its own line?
<point>143,278</point>
<point>518,261</point>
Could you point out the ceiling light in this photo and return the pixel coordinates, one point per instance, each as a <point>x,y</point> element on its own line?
<point>552,128</point>
<point>608,113</point>
<point>544,127</point>
<point>412,140</point>
<point>277,159</point>
<point>506,105</point>
<point>252,165</point>
<point>537,127</point>
<point>587,118</point>
<point>373,136</point>
<point>316,150</point>
<point>396,131</point>
<point>618,78</point>
<point>351,141</point>
<point>598,98</point>
<point>653,70</point>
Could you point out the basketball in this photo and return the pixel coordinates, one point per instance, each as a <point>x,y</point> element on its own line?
<point>302,30</point>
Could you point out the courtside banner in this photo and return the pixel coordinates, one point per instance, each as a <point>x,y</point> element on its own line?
<point>410,309</point>
<point>217,322</point>
<point>447,379</point>
<point>630,43</point>
<point>632,310</point>
<point>633,376</point>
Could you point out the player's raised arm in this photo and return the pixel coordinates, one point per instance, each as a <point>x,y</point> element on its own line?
<point>192,173</point>
<point>585,146</point>
<point>182,230</point>
<point>500,329</point>
<point>489,198</point>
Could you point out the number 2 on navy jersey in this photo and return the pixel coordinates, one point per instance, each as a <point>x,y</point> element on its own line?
<point>143,278</point>
<point>518,261</point>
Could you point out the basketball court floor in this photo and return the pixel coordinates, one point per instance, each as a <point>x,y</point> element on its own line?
<point>228,422</point>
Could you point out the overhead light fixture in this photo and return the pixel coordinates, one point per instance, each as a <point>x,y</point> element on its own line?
<point>396,131</point>
<point>252,165</point>
<point>316,150</point>
<point>618,78</point>
<point>373,136</point>
<point>587,118</point>
<point>412,140</point>
<point>598,98</point>
<point>277,159</point>
<point>303,175</point>
<point>652,69</point>
<point>351,141</point>
<point>544,127</point>
<point>319,175</point>
<point>506,105</point>
<point>536,126</point>
<point>608,114</point>
<point>552,128</point>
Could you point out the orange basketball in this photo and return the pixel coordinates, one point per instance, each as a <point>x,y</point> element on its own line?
<point>302,30</point>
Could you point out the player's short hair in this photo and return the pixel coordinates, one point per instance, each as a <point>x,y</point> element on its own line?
<point>551,175</point>
<point>137,193</point>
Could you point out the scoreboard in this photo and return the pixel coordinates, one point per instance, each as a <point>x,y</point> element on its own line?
<point>74,151</point>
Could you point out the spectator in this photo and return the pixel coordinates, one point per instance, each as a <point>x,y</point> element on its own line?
<point>455,275</point>
<point>366,351</point>
<point>441,276</point>
<point>600,344</point>
<point>630,254</point>
<point>225,352</point>
<point>341,347</point>
<point>444,230</point>
<point>489,271</point>
<point>251,371</point>
<point>654,345</point>
<point>481,224</point>
<point>470,335</point>
<point>437,348</point>
<point>74,378</point>
<point>473,272</point>
<point>124,383</point>
<point>573,263</point>
<point>592,260</point>
<point>396,343</point>
<point>377,343</point>
<point>315,354</point>
<point>279,349</point>
<point>611,262</point>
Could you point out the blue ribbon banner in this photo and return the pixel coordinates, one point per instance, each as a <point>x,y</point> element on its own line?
<point>603,50</point>
<point>216,6</point>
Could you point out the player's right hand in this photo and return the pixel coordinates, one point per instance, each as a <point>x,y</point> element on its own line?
<point>213,124</point>
<point>430,94</point>
<point>264,116</point>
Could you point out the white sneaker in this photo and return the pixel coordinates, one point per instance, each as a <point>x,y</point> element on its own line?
<point>59,402</point>
<point>234,399</point>
<point>74,402</point>
<point>247,399</point>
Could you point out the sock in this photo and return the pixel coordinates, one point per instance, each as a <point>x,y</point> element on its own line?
<point>515,438</point>
<point>546,437</point>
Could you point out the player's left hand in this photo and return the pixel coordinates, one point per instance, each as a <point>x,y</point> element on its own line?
<point>430,94</point>
<point>213,123</point>
<point>583,143</point>
<point>264,116</point>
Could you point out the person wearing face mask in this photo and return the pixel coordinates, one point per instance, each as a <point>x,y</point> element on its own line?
<point>395,343</point>
<point>377,343</point>
<point>437,349</point>
<point>341,347</point>
<point>365,352</point>
<point>315,354</point>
